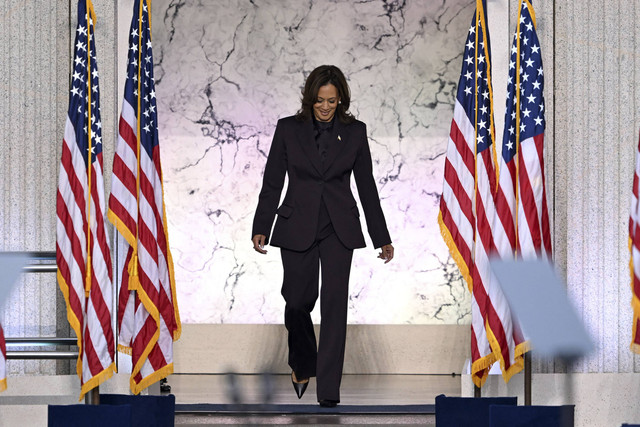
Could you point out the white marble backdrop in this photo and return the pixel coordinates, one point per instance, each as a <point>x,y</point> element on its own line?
<point>227,70</point>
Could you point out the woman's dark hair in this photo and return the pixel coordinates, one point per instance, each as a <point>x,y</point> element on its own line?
<point>319,77</point>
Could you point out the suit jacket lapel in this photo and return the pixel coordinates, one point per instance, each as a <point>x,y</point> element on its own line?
<point>308,143</point>
<point>336,143</point>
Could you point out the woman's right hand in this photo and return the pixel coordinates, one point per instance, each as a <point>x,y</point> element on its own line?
<point>258,243</point>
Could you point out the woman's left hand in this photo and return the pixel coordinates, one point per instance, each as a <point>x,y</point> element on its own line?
<point>386,253</point>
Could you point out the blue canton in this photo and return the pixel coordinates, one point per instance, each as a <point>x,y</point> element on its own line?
<point>140,67</point>
<point>531,84</point>
<point>78,100</point>
<point>467,90</point>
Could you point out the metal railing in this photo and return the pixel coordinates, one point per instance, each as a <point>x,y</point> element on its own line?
<point>40,262</point>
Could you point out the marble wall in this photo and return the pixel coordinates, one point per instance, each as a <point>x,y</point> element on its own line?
<point>227,70</point>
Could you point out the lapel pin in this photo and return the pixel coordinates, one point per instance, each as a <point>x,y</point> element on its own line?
<point>339,139</point>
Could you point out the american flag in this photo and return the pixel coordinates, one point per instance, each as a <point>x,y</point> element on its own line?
<point>3,361</point>
<point>634,248</point>
<point>82,249</point>
<point>467,206</point>
<point>523,228</point>
<point>148,318</point>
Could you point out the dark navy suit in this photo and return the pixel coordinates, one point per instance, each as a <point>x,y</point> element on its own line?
<point>318,225</point>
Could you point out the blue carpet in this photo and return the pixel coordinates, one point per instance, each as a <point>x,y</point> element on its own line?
<point>303,409</point>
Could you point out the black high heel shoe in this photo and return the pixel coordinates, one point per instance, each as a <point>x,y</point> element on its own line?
<point>299,387</point>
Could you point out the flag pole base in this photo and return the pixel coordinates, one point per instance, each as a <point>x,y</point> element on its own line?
<point>92,397</point>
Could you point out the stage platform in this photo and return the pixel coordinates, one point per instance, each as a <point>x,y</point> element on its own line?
<point>270,399</point>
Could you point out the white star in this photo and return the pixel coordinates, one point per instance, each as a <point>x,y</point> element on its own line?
<point>511,130</point>
<point>522,19</point>
<point>529,26</point>
<point>536,85</point>
<point>483,109</point>
<point>540,71</point>
<point>526,112</point>
<point>512,65</point>
<point>152,94</point>
<point>522,127</point>
<point>74,91</point>
<point>99,124</point>
<point>514,49</point>
<point>148,44</point>
<point>479,74</point>
<point>134,33</point>
<point>485,94</point>
<point>541,106</point>
<point>81,46</point>
<point>77,76</point>
<point>135,92</point>
<point>531,98</point>
<point>467,90</point>
<point>529,62</point>
<point>468,75</point>
<point>135,62</point>
<point>98,138</point>
<point>480,139</point>
<point>509,80</point>
<point>513,115</point>
<point>146,113</point>
<point>535,49</point>
<point>94,88</point>
<point>82,30</point>
<point>510,144</point>
<point>134,47</point>
<point>147,59</point>
<point>482,124</point>
<point>481,59</point>
<point>538,121</point>
<point>94,73</point>
<point>472,30</point>
<point>146,128</point>
<point>470,45</point>
<point>525,77</point>
<point>79,61</point>
<point>152,108</point>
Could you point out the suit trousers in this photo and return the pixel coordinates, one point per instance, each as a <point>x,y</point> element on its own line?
<point>300,291</point>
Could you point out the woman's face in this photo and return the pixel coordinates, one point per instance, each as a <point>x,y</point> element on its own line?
<point>326,104</point>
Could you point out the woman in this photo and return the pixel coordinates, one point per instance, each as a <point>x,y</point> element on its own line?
<point>318,223</point>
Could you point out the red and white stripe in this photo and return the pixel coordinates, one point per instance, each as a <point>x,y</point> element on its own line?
<point>3,361</point>
<point>469,230</point>
<point>534,235</point>
<point>147,316</point>
<point>634,247</point>
<point>90,317</point>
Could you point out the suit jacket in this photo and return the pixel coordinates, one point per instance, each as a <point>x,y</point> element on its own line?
<point>294,153</point>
